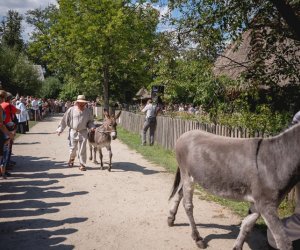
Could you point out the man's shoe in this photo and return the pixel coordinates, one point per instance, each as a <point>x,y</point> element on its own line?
<point>71,163</point>
<point>82,167</point>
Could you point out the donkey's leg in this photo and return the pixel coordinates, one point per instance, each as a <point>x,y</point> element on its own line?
<point>101,158</point>
<point>91,154</point>
<point>246,227</point>
<point>110,156</point>
<point>95,155</point>
<point>174,207</point>
<point>188,191</point>
<point>276,227</point>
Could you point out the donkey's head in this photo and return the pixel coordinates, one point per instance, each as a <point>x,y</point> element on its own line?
<point>110,123</point>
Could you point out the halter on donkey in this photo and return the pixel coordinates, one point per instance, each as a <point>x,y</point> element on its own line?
<point>102,137</point>
<point>258,170</point>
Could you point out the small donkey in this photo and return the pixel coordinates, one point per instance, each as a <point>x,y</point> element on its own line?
<point>102,137</point>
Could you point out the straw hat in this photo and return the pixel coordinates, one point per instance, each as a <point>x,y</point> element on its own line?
<point>81,98</point>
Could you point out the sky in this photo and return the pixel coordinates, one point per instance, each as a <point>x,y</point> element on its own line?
<point>22,6</point>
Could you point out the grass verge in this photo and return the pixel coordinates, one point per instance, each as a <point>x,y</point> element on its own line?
<point>166,158</point>
<point>31,124</point>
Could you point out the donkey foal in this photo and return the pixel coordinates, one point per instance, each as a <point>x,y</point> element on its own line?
<point>102,137</point>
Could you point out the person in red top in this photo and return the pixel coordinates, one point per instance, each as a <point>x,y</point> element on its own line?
<point>9,109</point>
<point>10,112</point>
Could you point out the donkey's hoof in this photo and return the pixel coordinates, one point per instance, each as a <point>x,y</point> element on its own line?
<point>170,222</point>
<point>109,169</point>
<point>201,244</point>
<point>90,158</point>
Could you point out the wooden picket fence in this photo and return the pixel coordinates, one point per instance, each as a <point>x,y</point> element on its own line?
<point>169,129</point>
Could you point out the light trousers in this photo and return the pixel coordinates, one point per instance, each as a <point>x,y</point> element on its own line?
<point>77,141</point>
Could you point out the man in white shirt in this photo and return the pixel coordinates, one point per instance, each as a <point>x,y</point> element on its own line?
<point>78,118</point>
<point>151,111</point>
<point>35,109</point>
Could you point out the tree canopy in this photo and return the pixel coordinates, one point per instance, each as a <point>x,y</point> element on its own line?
<point>98,49</point>
<point>209,26</point>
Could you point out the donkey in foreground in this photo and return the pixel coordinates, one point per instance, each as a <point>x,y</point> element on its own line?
<point>258,170</point>
<point>102,137</point>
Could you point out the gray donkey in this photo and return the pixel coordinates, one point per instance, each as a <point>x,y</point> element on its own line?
<point>102,137</point>
<point>258,170</point>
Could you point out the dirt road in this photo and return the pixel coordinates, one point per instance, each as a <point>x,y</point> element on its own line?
<point>46,205</point>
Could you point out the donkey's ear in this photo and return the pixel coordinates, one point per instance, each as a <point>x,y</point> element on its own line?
<point>106,114</point>
<point>118,115</point>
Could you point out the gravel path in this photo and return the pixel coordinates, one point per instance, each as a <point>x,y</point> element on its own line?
<point>46,205</point>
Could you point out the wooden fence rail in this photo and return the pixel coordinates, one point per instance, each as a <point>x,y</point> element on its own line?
<point>169,129</point>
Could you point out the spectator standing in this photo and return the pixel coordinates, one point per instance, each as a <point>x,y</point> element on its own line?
<point>23,116</point>
<point>78,119</point>
<point>68,105</point>
<point>35,108</point>
<point>6,135</point>
<point>151,111</point>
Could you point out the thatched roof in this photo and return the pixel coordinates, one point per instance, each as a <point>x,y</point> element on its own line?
<point>143,94</point>
<point>234,59</point>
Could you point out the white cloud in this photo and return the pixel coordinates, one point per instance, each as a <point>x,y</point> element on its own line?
<point>22,6</point>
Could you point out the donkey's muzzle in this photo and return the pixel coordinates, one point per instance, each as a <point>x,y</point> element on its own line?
<point>113,135</point>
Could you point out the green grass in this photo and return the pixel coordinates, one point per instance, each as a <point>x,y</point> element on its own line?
<point>31,124</point>
<point>155,154</point>
<point>166,158</point>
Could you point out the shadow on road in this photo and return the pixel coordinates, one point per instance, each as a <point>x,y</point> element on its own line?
<point>32,233</point>
<point>256,238</point>
<point>132,167</point>
<point>27,198</point>
<point>26,143</point>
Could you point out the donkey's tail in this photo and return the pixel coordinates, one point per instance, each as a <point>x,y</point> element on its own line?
<point>176,183</point>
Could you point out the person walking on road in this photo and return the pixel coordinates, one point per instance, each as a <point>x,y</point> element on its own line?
<point>78,118</point>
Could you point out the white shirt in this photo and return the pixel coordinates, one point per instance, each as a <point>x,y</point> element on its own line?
<point>150,110</point>
<point>35,104</point>
<point>22,117</point>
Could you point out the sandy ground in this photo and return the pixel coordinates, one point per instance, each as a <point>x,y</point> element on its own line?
<point>46,205</point>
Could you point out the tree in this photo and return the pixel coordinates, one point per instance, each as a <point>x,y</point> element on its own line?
<point>38,47</point>
<point>209,25</point>
<point>11,28</point>
<point>17,74</point>
<point>106,45</point>
<point>51,88</point>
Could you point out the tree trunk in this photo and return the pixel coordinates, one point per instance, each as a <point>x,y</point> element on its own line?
<point>106,87</point>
